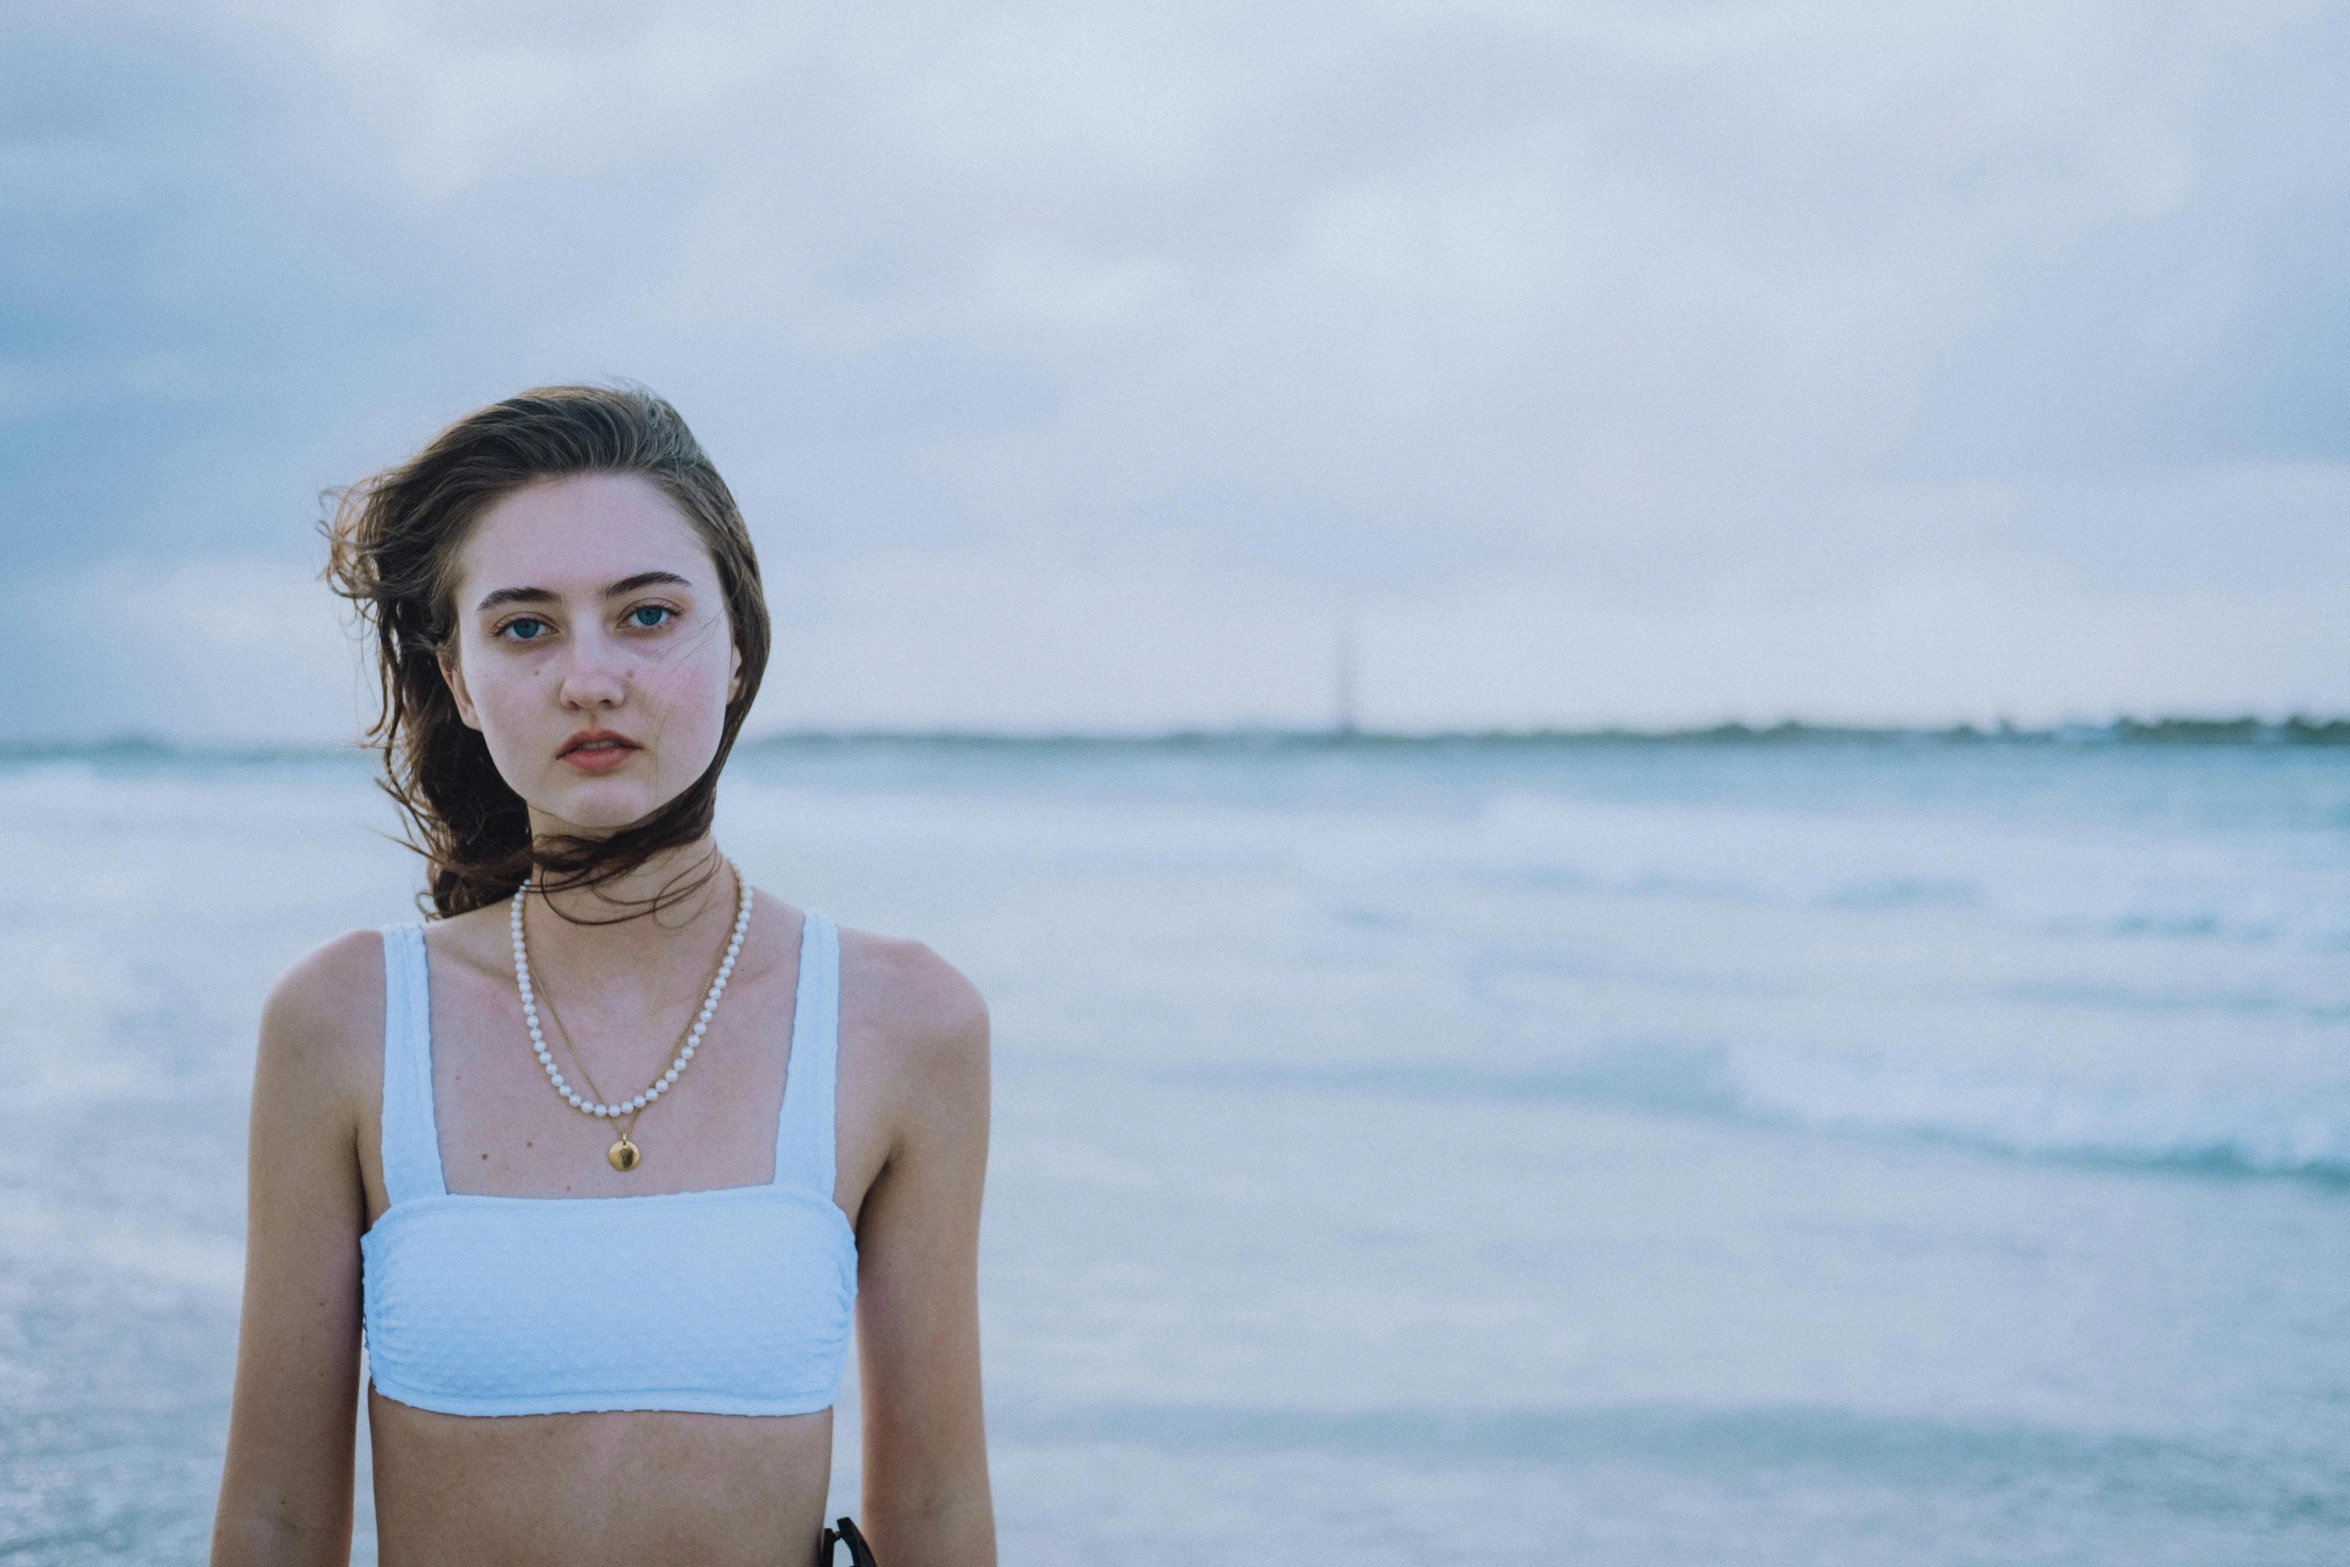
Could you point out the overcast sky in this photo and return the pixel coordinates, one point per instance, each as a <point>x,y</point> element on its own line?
<point>1087,367</point>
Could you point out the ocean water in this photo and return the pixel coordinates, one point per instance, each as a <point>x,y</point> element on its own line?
<point>1825,1153</point>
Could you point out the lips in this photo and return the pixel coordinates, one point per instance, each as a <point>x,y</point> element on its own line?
<point>597,750</point>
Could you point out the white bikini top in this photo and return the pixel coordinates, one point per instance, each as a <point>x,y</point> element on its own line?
<point>734,1301</point>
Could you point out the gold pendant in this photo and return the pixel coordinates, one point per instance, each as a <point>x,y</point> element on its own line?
<point>623,1154</point>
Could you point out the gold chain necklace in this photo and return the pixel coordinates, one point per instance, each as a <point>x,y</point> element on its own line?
<point>623,1155</point>
<point>572,1048</point>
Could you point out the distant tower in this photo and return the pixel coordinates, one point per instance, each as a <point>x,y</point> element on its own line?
<point>1343,678</point>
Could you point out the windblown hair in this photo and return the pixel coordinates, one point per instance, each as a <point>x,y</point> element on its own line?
<point>394,541</point>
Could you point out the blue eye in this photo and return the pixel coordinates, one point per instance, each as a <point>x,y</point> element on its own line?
<point>523,629</point>
<point>647,616</point>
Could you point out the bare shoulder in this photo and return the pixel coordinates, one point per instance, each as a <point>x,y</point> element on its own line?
<point>913,1004</point>
<point>478,939</point>
<point>325,1011</point>
<point>914,1035</point>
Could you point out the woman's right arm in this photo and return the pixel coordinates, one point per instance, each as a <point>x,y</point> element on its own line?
<point>285,1494</point>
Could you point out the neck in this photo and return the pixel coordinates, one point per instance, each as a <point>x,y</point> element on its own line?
<point>674,894</point>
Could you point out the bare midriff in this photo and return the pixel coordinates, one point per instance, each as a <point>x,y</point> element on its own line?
<point>641,1488</point>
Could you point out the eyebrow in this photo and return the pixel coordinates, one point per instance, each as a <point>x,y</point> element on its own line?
<point>643,579</point>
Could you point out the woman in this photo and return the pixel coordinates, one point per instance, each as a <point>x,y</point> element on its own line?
<point>619,1140</point>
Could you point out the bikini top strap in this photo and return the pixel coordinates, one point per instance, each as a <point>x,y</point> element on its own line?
<point>411,1140</point>
<point>804,1131</point>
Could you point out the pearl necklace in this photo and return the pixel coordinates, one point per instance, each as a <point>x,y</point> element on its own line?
<point>624,1154</point>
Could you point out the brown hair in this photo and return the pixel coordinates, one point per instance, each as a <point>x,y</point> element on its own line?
<point>393,545</point>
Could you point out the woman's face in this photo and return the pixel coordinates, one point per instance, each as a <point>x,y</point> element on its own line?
<point>592,651</point>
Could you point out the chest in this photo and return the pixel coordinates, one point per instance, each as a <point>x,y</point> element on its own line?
<point>504,1131</point>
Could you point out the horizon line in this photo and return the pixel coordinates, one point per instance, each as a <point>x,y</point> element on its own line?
<point>2293,730</point>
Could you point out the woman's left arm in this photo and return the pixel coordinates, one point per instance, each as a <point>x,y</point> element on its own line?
<point>926,1501</point>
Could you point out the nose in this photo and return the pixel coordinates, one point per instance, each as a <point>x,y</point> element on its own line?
<point>596,677</point>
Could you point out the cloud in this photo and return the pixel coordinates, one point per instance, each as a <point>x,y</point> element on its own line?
<point>218,651</point>
<point>1401,306</point>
